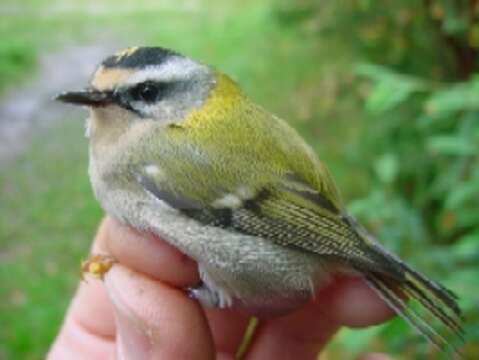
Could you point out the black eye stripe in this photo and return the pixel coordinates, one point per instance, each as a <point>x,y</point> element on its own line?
<point>148,92</point>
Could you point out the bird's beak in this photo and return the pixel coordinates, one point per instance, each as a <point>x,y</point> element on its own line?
<point>87,97</point>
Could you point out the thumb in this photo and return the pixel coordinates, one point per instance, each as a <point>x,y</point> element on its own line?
<point>154,320</point>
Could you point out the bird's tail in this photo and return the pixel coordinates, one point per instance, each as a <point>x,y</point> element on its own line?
<point>421,302</point>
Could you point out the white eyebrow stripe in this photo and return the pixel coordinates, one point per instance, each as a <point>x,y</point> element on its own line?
<point>174,69</point>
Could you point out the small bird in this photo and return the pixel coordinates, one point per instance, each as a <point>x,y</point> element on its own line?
<point>177,149</point>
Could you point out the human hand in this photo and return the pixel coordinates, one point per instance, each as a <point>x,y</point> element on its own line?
<point>141,311</point>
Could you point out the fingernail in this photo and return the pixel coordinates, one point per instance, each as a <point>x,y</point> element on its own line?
<point>133,341</point>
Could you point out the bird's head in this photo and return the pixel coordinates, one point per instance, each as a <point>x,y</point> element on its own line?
<point>145,83</point>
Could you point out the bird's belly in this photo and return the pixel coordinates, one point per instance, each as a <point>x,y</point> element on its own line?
<point>258,274</point>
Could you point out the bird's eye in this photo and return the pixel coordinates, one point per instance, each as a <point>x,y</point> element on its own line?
<point>147,92</point>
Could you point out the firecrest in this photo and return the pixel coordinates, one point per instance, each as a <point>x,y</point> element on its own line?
<point>176,148</point>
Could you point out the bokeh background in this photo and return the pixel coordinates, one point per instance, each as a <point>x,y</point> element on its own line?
<point>387,93</point>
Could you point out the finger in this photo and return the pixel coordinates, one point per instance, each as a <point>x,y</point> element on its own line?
<point>228,327</point>
<point>300,335</point>
<point>304,333</point>
<point>157,259</point>
<point>88,331</point>
<point>155,320</point>
<point>147,254</point>
<point>350,302</point>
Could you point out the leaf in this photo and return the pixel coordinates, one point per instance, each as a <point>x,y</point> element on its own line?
<point>462,96</point>
<point>390,88</point>
<point>465,284</point>
<point>463,193</point>
<point>387,167</point>
<point>354,341</point>
<point>451,145</point>
<point>454,24</point>
<point>467,246</point>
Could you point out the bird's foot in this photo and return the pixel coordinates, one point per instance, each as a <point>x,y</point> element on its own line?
<point>212,298</point>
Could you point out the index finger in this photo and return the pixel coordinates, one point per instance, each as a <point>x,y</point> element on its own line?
<point>147,254</point>
<point>89,329</point>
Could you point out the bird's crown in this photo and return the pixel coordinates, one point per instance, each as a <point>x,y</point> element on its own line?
<point>139,57</point>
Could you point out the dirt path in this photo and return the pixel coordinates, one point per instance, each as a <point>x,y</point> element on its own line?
<point>26,109</point>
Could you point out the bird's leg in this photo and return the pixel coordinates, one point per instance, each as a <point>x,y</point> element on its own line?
<point>209,297</point>
<point>247,338</point>
<point>96,265</point>
<point>208,293</point>
<point>204,295</point>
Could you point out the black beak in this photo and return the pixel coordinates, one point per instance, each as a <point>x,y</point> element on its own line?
<point>88,97</point>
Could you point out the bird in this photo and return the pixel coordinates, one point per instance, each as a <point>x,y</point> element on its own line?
<point>178,149</point>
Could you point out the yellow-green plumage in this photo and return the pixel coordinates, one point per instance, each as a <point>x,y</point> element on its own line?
<point>243,144</point>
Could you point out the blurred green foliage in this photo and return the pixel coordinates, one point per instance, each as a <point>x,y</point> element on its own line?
<point>418,73</point>
<point>387,92</point>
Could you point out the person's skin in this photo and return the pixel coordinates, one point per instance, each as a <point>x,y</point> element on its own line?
<point>141,311</point>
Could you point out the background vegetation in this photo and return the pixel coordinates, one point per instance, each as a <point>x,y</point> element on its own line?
<point>387,92</point>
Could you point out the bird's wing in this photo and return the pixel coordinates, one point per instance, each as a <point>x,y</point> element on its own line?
<point>289,198</point>
<point>289,212</point>
<point>255,176</point>
<point>292,214</point>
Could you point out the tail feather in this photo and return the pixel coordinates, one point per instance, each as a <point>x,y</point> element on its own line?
<point>446,296</point>
<point>401,308</point>
<point>450,321</point>
<point>436,300</point>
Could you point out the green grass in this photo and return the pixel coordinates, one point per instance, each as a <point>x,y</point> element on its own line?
<point>48,216</point>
